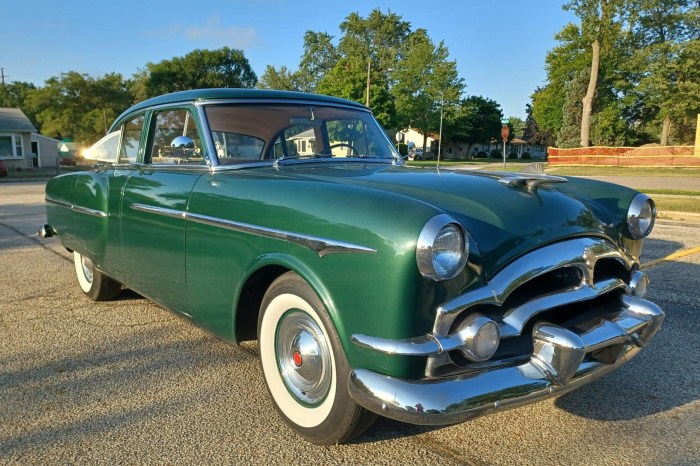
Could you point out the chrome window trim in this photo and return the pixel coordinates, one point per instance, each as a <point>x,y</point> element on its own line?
<point>77,208</point>
<point>321,246</point>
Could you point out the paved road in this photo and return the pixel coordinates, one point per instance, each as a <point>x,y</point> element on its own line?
<point>128,382</point>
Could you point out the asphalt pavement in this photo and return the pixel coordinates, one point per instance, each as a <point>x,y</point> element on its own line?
<point>128,382</point>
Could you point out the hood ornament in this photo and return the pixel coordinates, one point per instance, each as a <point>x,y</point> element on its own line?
<point>530,180</point>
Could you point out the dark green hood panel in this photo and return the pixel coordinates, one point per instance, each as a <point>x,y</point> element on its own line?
<point>505,221</point>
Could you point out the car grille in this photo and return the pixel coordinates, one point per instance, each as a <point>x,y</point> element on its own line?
<point>563,283</point>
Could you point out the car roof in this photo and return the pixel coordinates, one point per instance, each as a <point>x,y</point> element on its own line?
<point>237,94</point>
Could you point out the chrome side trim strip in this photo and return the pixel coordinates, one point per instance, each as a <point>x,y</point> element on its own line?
<point>321,246</point>
<point>77,208</point>
<point>160,211</point>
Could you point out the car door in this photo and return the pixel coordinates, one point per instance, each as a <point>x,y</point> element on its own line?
<point>154,203</point>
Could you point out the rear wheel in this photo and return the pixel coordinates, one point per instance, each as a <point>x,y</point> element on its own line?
<point>304,365</point>
<point>96,285</point>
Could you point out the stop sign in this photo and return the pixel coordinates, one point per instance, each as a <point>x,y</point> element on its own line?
<point>505,132</point>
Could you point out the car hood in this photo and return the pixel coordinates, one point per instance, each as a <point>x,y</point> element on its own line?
<point>505,221</point>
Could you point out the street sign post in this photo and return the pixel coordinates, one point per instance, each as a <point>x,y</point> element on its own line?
<point>505,132</point>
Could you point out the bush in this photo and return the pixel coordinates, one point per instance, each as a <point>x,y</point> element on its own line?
<point>481,155</point>
<point>513,155</point>
<point>526,156</point>
<point>496,154</point>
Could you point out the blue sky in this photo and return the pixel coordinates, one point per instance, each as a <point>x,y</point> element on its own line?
<point>499,45</point>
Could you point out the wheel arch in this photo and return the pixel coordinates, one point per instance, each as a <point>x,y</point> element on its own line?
<point>265,271</point>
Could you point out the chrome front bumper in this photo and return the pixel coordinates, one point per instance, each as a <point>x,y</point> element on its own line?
<point>563,359</point>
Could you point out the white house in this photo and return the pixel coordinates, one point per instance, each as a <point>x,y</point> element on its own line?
<point>20,144</point>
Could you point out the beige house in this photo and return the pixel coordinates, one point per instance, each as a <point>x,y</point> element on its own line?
<point>410,135</point>
<point>20,144</point>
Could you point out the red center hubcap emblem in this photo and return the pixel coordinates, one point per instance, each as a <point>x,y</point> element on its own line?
<point>297,358</point>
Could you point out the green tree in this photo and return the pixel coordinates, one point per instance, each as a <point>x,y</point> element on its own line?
<point>367,52</point>
<point>319,57</point>
<point>533,133</point>
<point>562,63</point>
<point>79,106</point>
<point>224,67</point>
<point>476,120</point>
<point>14,95</point>
<point>517,125</point>
<point>282,79</point>
<point>570,132</point>
<point>665,35</point>
<point>426,84</point>
<point>600,27</point>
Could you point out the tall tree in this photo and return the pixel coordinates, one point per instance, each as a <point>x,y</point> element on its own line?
<point>224,67</point>
<point>282,79</point>
<point>14,95</point>
<point>562,63</point>
<point>367,52</point>
<point>319,57</point>
<point>476,120</point>
<point>665,35</point>
<point>570,131</point>
<point>427,84</point>
<point>533,133</point>
<point>599,26</point>
<point>79,106</point>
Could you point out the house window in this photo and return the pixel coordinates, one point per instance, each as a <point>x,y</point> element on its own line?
<point>10,146</point>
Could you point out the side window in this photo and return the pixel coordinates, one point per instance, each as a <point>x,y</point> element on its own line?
<point>166,148</point>
<point>131,138</point>
<point>104,150</point>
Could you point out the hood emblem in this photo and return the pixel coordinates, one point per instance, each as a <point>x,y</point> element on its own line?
<point>530,180</point>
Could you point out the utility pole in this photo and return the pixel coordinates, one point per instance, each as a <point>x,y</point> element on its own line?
<point>2,75</point>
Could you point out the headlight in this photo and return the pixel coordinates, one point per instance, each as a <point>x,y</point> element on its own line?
<point>442,248</point>
<point>480,336</point>
<point>641,216</point>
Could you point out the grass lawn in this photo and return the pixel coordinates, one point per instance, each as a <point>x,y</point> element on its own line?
<point>677,204</point>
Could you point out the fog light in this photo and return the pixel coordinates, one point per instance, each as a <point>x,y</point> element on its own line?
<point>639,284</point>
<point>480,336</point>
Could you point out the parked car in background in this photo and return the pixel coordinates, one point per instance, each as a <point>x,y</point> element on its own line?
<point>372,288</point>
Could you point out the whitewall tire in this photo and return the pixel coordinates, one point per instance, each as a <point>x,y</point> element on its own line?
<point>94,283</point>
<point>304,366</point>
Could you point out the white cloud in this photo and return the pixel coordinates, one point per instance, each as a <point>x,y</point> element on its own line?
<point>213,33</point>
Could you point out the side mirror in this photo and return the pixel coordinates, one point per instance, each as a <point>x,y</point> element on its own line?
<point>182,146</point>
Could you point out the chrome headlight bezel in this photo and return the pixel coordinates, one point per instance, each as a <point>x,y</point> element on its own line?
<point>428,264</point>
<point>641,216</point>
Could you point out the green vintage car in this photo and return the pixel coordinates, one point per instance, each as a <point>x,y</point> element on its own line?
<point>373,288</point>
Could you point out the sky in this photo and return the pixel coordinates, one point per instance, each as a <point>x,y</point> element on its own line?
<point>499,46</point>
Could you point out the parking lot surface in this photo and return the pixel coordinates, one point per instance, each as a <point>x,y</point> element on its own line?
<point>128,382</point>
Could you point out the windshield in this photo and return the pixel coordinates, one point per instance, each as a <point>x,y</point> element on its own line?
<point>265,132</point>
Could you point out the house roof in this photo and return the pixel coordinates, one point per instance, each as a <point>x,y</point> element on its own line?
<point>13,119</point>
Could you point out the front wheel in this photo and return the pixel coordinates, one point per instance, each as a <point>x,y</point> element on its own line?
<point>96,285</point>
<point>304,365</point>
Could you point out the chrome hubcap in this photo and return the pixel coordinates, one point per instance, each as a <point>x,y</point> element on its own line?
<point>303,357</point>
<point>87,268</point>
